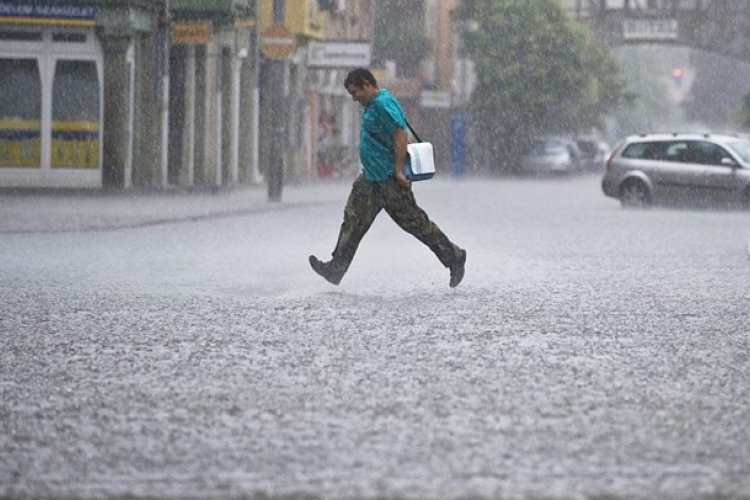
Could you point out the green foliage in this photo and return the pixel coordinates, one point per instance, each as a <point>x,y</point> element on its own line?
<point>742,114</point>
<point>538,71</point>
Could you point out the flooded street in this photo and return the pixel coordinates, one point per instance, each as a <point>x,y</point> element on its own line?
<point>590,352</point>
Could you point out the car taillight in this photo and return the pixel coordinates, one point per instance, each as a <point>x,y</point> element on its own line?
<point>611,160</point>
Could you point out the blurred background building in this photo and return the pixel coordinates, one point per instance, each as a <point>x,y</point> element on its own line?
<point>178,93</point>
<point>186,93</point>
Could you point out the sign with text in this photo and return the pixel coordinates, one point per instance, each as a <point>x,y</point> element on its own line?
<point>277,42</point>
<point>191,33</point>
<point>435,99</point>
<point>335,54</point>
<point>656,30</point>
<point>16,9</point>
<point>30,12</point>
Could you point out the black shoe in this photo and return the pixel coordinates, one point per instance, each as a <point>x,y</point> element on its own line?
<point>457,269</point>
<point>322,269</point>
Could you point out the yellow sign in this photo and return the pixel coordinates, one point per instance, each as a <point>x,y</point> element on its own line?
<point>191,33</point>
<point>304,18</point>
<point>20,143</point>
<point>68,23</point>
<point>277,42</point>
<point>244,22</point>
<point>75,145</point>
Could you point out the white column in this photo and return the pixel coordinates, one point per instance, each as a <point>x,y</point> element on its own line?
<point>165,131</point>
<point>188,142</point>
<point>257,177</point>
<point>128,170</point>
<point>211,126</point>
<point>219,124</point>
<point>234,146</point>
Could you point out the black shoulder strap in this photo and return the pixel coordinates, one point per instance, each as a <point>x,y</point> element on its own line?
<point>382,141</point>
<point>416,136</point>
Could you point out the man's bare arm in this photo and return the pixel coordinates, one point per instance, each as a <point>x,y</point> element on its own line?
<point>399,156</point>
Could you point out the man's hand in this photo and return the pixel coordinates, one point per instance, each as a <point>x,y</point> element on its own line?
<point>402,180</point>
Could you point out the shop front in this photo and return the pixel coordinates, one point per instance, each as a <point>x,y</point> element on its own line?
<point>51,96</point>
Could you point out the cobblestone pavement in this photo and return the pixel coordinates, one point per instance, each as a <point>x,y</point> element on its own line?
<point>591,353</point>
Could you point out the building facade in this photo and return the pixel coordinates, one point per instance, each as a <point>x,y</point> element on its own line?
<point>67,73</point>
<point>213,111</point>
<point>330,128</point>
<point>178,93</point>
<point>123,93</point>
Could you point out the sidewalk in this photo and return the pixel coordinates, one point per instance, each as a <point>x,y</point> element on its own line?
<point>79,210</point>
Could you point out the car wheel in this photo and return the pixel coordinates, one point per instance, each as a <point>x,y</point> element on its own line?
<point>634,194</point>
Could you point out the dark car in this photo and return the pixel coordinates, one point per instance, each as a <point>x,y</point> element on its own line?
<point>551,155</point>
<point>594,153</point>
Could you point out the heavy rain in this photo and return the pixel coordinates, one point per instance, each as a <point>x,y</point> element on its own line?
<point>162,333</point>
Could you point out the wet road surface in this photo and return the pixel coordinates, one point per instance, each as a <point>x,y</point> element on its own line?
<point>591,352</point>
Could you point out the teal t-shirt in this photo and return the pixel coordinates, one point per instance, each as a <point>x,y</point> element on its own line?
<point>379,120</point>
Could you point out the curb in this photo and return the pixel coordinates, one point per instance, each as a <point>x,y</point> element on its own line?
<point>59,211</point>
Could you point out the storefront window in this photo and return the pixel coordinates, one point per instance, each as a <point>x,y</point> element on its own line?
<point>75,115</point>
<point>20,113</point>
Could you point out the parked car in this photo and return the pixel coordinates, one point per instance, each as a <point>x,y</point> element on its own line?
<point>551,155</point>
<point>594,153</point>
<point>690,168</point>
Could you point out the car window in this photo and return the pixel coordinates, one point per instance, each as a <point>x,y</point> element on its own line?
<point>587,147</point>
<point>678,151</point>
<point>714,154</point>
<point>703,153</point>
<point>683,151</point>
<point>535,148</point>
<point>653,150</point>
<point>636,150</point>
<point>546,147</point>
<point>742,148</point>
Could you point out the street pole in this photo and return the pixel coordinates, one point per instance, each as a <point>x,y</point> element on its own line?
<point>278,118</point>
<point>256,177</point>
<point>164,97</point>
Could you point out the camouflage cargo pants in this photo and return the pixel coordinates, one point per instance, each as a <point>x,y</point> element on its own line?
<point>366,201</point>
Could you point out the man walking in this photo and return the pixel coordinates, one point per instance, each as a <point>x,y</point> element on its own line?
<point>383,185</point>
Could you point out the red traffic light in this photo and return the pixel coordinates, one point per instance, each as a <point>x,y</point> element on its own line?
<point>677,73</point>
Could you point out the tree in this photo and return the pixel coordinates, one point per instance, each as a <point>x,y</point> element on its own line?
<point>538,71</point>
<point>742,113</point>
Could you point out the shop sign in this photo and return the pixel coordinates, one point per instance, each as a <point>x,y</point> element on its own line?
<point>335,54</point>
<point>277,42</point>
<point>191,33</point>
<point>435,99</point>
<point>656,30</point>
<point>31,12</point>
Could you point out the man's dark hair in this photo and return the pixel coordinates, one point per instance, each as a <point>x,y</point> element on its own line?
<point>358,77</point>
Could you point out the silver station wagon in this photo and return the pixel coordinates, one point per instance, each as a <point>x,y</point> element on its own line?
<point>686,168</point>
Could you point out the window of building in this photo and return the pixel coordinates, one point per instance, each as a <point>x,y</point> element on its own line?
<point>20,113</point>
<point>75,115</point>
